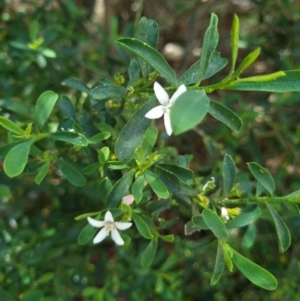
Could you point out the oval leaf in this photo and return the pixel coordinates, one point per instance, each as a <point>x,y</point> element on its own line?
<point>225,115</point>
<point>141,226</point>
<point>149,253</point>
<point>219,266</point>
<point>86,234</point>
<point>255,273</point>
<point>188,110</point>
<point>44,107</point>
<point>184,174</point>
<point>151,56</point>
<point>16,159</point>
<point>11,126</point>
<point>137,188</point>
<point>77,85</point>
<point>106,92</point>
<point>215,224</point>
<point>263,176</point>
<point>70,137</point>
<point>228,172</point>
<point>158,187</point>
<point>199,222</point>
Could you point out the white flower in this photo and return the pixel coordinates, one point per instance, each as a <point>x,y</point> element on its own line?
<point>166,105</point>
<point>224,213</point>
<point>109,225</point>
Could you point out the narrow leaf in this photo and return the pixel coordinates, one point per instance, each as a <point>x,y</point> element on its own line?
<point>149,253</point>
<point>255,273</point>
<point>141,226</point>
<point>42,173</point>
<point>263,176</point>
<point>137,188</point>
<point>11,126</point>
<point>149,140</point>
<point>228,172</point>
<point>151,56</point>
<point>70,137</point>
<point>248,60</point>
<point>234,41</point>
<point>225,115</point>
<point>86,234</point>
<point>188,110</point>
<point>219,266</point>
<point>215,224</point>
<point>283,233</point>
<point>99,137</point>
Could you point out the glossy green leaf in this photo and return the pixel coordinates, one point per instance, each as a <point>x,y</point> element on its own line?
<point>210,42</point>
<point>283,233</point>
<point>133,72</point>
<point>42,173</point>
<point>219,266</point>
<point>248,60</point>
<point>141,226</point>
<point>77,85</point>
<point>137,188</point>
<point>248,215</point>
<point>167,238</point>
<point>173,183</point>
<point>70,137</point>
<point>72,174</point>
<point>191,76</point>
<point>288,83</point>
<point>151,56</point>
<point>249,237</point>
<point>99,137</point>
<point>235,29</point>
<point>103,154</point>
<point>184,174</point>
<point>215,224</point>
<point>16,159</point>
<point>119,190</point>
<point>107,92</point>
<point>188,110</point>
<point>86,234</point>
<point>44,107</point>
<point>149,253</point>
<point>225,115</point>
<point>255,273</point>
<point>11,126</point>
<point>158,187</point>
<point>263,176</point>
<point>66,106</point>
<point>33,295</point>
<point>147,32</point>
<point>199,222</point>
<point>5,149</point>
<point>133,133</point>
<point>149,140</point>
<point>228,173</point>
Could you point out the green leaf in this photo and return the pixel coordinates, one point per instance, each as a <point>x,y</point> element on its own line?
<point>199,222</point>
<point>16,159</point>
<point>151,56</point>
<point>133,72</point>
<point>137,188</point>
<point>210,42</point>
<point>283,233</point>
<point>11,126</point>
<point>248,60</point>
<point>225,115</point>
<point>67,107</point>
<point>234,41</point>
<point>71,173</point>
<point>263,176</point>
<point>147,32</point>
<point>149,140</point>
<point>278,82</point>
<point>42,173</point>
<point>141,226</point>
<point>149,253</point>
<point>104,127</point>
<point>188,110</point>
<point>99,137</point>
<point>167,238</point>
<point>77,85</point>
<point>227,257</point>
<point>105,187</point>
<point>70,137</point>
<point>119,190</point>
<point>86,234</point>
<point>215,224</point>
<point>106,92</point>
<point>133,133</point>
<point>191,76</point>
<point>228,172</point>
<point>249,237</point>
<point>248,215</point>
<point>219,265</point>
<point>158,187</point>
<point>103,154</point>
<point>173,183</point>
<point>254,272</point>
<point>44,107</point>
<point>184,174</point>
<point>33,295</point>
<point>90,169</point>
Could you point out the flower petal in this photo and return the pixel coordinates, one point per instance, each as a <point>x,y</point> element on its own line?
<point>161,94</point>
<point>95,223</point>
<point>108,217</point>
<point>128,199</point>
<point>123,226</point>
<point>115,235</point>
<point>100,236</point>
<point>155,113</point>
<point>178,92</point>
<point>167,121</point>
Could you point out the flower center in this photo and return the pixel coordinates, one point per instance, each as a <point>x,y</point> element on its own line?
<point>109,226</point>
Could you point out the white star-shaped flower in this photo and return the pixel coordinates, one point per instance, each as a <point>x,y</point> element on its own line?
<point>109,225</point>
<point>166,105</point>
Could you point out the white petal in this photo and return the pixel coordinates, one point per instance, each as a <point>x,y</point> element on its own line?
<point>115,235</point>
<point>95,223</point>
<point>155,113</point>
<point>123,226</point>
<point>108,217</point>
<point>168,123</point>
<point>100,236</point>
<point>178,92</point>
<point>161,94</point>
